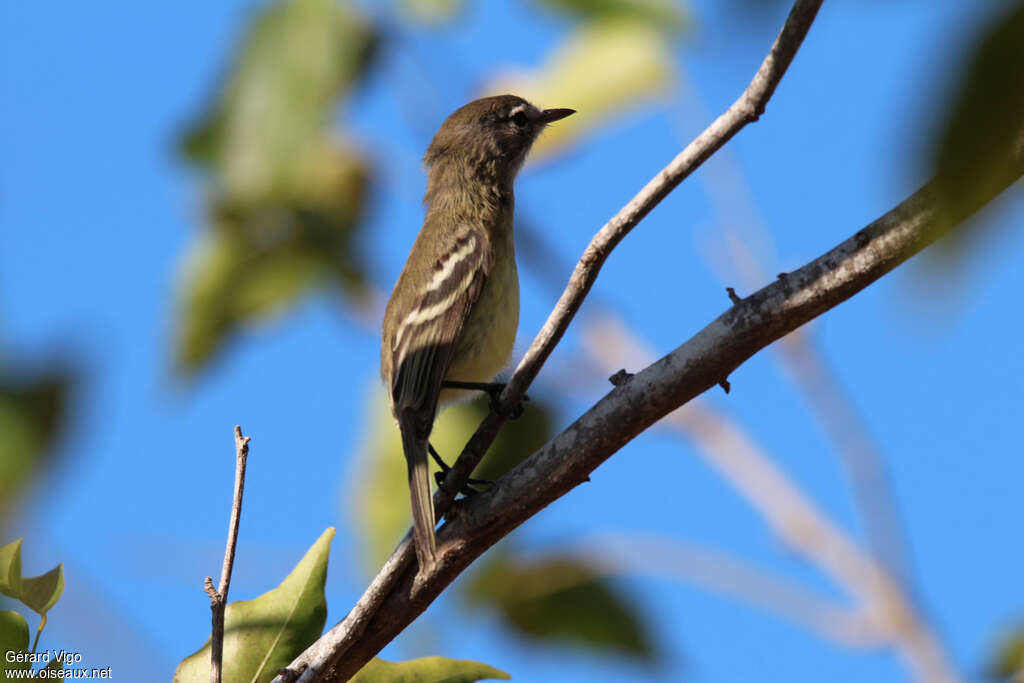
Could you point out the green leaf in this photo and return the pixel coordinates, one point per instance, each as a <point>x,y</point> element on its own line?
<point>32,410</point>
<point>13,638</point>
<point>10,569</point>
<point>286,194</point>
<point>267,633</point>
<point>40,593</point>
<point>427,670</point>
<point>667,15</point>
<point>603,69</point>
<point>561,598</point>
<point>985,122</point>
<point>1008,659</point>
<point>258,258</point>
<point>298,57</point>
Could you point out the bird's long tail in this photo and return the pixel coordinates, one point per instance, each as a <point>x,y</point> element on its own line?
<point>422,502</point>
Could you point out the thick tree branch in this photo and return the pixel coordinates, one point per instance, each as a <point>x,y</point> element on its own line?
<point>393,601</point>
<point>634,405</point>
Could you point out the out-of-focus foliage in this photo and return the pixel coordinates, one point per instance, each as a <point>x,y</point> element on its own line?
<point>285,191</point>
<point>559,597</point>
<point>604,68</point>
<point>986,120</point>
<point>38,593</point>
<point>431,12</point>
<point>382,489</point>
<point>14,639</point>
<point>1008,661</point>
<point>268,632</point>
<point>665,14</point>
<point>32,410</point>
<point>427,670</point>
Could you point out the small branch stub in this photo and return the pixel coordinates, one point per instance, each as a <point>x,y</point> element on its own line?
<point>620,377</point>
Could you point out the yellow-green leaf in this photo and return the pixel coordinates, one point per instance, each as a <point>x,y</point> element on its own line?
<point>427,670</point>
<point>42,592</point>
<point>267,633</point>
<point>10,569</point>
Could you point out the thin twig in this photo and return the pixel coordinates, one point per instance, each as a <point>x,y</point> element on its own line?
<point>219,596</point>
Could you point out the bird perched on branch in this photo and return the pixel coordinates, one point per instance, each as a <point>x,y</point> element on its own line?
<point>451,321</point>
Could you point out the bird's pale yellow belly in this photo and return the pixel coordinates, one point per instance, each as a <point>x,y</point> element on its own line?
<point>488,336</point>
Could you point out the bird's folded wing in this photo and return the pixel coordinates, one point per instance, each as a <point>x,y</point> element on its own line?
<point>427,334</point>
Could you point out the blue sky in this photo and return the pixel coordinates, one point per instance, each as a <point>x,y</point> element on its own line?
<point>96,213</point>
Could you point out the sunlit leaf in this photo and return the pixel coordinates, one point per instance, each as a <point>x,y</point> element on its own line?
<point>985,122</point>
<point>667,15</point>
<point>427,670</point>
<point>560,598</point>
<point>10,569</point>
<point>603,69</point>
<point>40,593</point>
<point>267,633</point>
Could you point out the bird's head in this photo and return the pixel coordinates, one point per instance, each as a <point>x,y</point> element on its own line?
<point>491,135</point>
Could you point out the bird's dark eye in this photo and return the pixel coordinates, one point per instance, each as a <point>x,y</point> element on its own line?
<point>519,118</point>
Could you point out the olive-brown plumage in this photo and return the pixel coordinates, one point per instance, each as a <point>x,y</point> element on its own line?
<point>455,308</point>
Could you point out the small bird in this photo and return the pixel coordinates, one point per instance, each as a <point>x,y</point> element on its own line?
<point>453,314</point>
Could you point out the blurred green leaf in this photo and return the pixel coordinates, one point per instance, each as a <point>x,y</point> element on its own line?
<point>32,410</point>
<point>381,497</point>
<point>1008,660</point>
<point>267,633</point>
<point>666,15</point>
<point>258,258</point>
<point>10,569</point>
<point>13,638</point>
<point>427,670</point>
<point>432,12</point>
<point>286,195</point>
<point>986,121</point>
<point>40,593</point>
<point>603,69</point>
<point>297,58</point>
<point>561,598</point>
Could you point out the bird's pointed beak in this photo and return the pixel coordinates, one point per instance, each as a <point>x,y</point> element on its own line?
<point>549,115</point>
